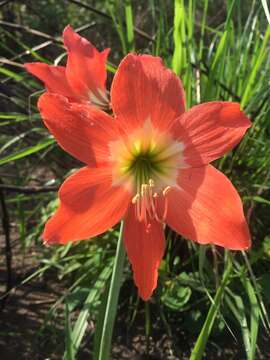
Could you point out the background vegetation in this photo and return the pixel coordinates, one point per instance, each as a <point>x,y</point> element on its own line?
<point>208,300</point>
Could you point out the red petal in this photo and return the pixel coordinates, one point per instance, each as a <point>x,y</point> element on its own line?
<point>207,208</point>
<point>210,130</point>
<point>145,248</point>
<point>89,205</point>
<point>53,77</point>
<point>81,130</point>
<point>86,66</point>
<point>144,89</point>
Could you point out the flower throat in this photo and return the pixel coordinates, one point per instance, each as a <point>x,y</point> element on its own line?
<point>147,161</point>
<point>145,167</point>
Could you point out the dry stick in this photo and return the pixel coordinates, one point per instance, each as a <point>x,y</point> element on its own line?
<point>9,62</point>
<point>101,13</point>
<point>28,189</point>
<point>30,31</point>
<point>8,253</point>
<point>5,2</point>
<point>48,42</point>
<point>34,48</point>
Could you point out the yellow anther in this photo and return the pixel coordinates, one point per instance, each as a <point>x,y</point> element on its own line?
<point>147,203</point>
<point>135,199</point>
<point>166,190</point>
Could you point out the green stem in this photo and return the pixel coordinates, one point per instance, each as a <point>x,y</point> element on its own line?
<point>200,345</point>
<point>147,326</point>
<point>105,338</point>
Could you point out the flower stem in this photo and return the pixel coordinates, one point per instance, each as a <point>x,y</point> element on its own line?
<point>103,342</point>
<point>147,326</point>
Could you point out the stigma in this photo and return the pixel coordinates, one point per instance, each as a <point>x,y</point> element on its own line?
<point>147,203</point>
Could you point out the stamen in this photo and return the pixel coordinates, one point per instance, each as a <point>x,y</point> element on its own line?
<point>166,202</point>
<point>165,211</point>
<point>146,202</point>
<point>135,199</point>
<point>166,190</point>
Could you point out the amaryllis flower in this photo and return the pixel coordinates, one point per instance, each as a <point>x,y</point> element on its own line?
<point>84,77</point>
<point>148,165</point>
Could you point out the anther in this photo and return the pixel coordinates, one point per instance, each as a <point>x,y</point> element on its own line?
<point>166,190</point>
<point>135,199</point>
<point>146,202</point>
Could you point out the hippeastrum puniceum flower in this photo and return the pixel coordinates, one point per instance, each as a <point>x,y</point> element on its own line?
<point>84,77</point>
<point>148,165</point>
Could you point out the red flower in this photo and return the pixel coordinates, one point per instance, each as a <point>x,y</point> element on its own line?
<point>84,77</point>
<point>148,165</point>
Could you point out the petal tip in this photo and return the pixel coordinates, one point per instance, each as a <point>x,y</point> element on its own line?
<point>34,67</point>
<point>232,111</point>
<point>47,240</point>
<point>70,36</point>
<point>145,297</point>
<point>67,30</point>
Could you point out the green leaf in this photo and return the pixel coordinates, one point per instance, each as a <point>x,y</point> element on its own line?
<point>198,350</point>
<point>81,324</point>
<point>103,337</point>
<point>266,10</point>
<point>179,37</point>
<point>68,341</point>
<point>237,307</point>
<point>27,151</point>
<point>175,295</point>
<point>129,24</point>
<point>259,60</point>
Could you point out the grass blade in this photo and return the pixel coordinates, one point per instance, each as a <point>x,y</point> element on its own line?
<point>81,323</point>
<point>255,69</point>
<point>237,307</point>
<point>129,24</point>
<point>68,339</point>
<point>27,151</point>
<point>104,337</point>
<point>198,350</point>
<point>266,10</point>
<point>179,35</point>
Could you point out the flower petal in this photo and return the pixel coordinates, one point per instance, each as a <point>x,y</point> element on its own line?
<point>206,208</point>
<point>89,205</point>
<point>53,77</point>
<point>82,130</point>
<point>144,89</point>
<point>145,248</point>
<point>209,130</point>
<point>86,67</point>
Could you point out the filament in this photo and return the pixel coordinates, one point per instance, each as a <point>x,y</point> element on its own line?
<point>146,203</point>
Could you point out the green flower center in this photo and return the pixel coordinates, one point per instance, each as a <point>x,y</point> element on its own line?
<point>144,166</point>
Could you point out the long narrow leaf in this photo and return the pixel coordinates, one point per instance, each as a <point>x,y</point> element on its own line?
<point>104,337</point>
<point>198,350</point>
